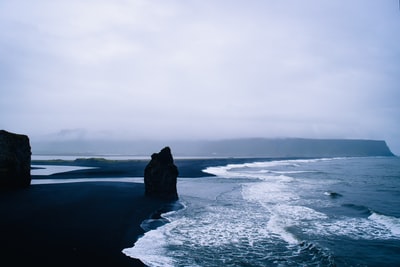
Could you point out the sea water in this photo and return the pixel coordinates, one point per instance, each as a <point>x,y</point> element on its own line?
<point>319,212</point>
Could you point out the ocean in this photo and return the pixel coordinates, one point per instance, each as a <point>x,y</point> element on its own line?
<point>304,212</point>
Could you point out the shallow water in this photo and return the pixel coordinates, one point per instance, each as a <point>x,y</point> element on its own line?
<point>53,169</point>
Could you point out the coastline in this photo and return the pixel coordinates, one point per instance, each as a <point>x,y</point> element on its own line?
<point>86,223</point>
<point>108,168</point>
<point>77,223</point>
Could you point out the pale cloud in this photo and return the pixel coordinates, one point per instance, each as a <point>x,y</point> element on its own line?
<point>201,69</point>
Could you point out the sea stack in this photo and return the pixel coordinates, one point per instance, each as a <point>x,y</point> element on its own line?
<point>160,176</point>
<point>15,160</point>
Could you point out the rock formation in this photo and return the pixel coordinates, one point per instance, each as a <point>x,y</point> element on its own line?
<point>15,160</point>
<point>160,176</point>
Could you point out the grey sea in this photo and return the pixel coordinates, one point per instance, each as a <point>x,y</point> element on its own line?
<point>289,212</point>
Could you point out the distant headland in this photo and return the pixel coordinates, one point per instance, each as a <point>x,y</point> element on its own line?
<point>298,147</point>
<point>241,147</point>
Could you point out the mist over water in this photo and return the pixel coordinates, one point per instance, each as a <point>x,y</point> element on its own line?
<point>282,213</point>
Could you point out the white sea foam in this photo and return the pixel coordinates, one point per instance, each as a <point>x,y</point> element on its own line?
<point>208,230</point>
<point>261,214</point>
<point>239,170</point>
<point>389,222</point>
<point>272,195</point>
<point>152,248</point>
<point>374,227</point>
<point>286,217</point>
<point>272,192</point>
<point>256,169</point>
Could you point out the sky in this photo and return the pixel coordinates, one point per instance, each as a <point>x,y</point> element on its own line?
<point>200,69</point>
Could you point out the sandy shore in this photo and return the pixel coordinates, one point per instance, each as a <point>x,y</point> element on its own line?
<point>77,224</point>
<point>102,168</point>
<point>82,223</point>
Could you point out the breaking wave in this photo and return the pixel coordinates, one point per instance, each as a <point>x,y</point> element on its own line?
<point>260,214</point>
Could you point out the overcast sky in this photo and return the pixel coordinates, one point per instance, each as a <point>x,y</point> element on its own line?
<point>201,69</point>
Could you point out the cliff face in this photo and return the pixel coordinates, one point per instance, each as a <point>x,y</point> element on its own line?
<point>296,147</point>
<point>15,160</point>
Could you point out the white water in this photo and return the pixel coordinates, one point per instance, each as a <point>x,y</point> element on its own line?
<point>255,214</point>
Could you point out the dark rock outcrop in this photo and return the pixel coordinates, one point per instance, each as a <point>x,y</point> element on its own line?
<point>15,160</point>
<point>160,176</point>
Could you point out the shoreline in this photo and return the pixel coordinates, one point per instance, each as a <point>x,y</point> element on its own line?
<point>86,223</point>
<point>107,168</point>
<point>88,220</point>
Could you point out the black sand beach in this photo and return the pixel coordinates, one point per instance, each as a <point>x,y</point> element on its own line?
<point>82,223</point>
<point>76,224</point>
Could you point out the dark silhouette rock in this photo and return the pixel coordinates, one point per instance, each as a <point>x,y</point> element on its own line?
<point>160,176</point>
<point>15,160</point>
